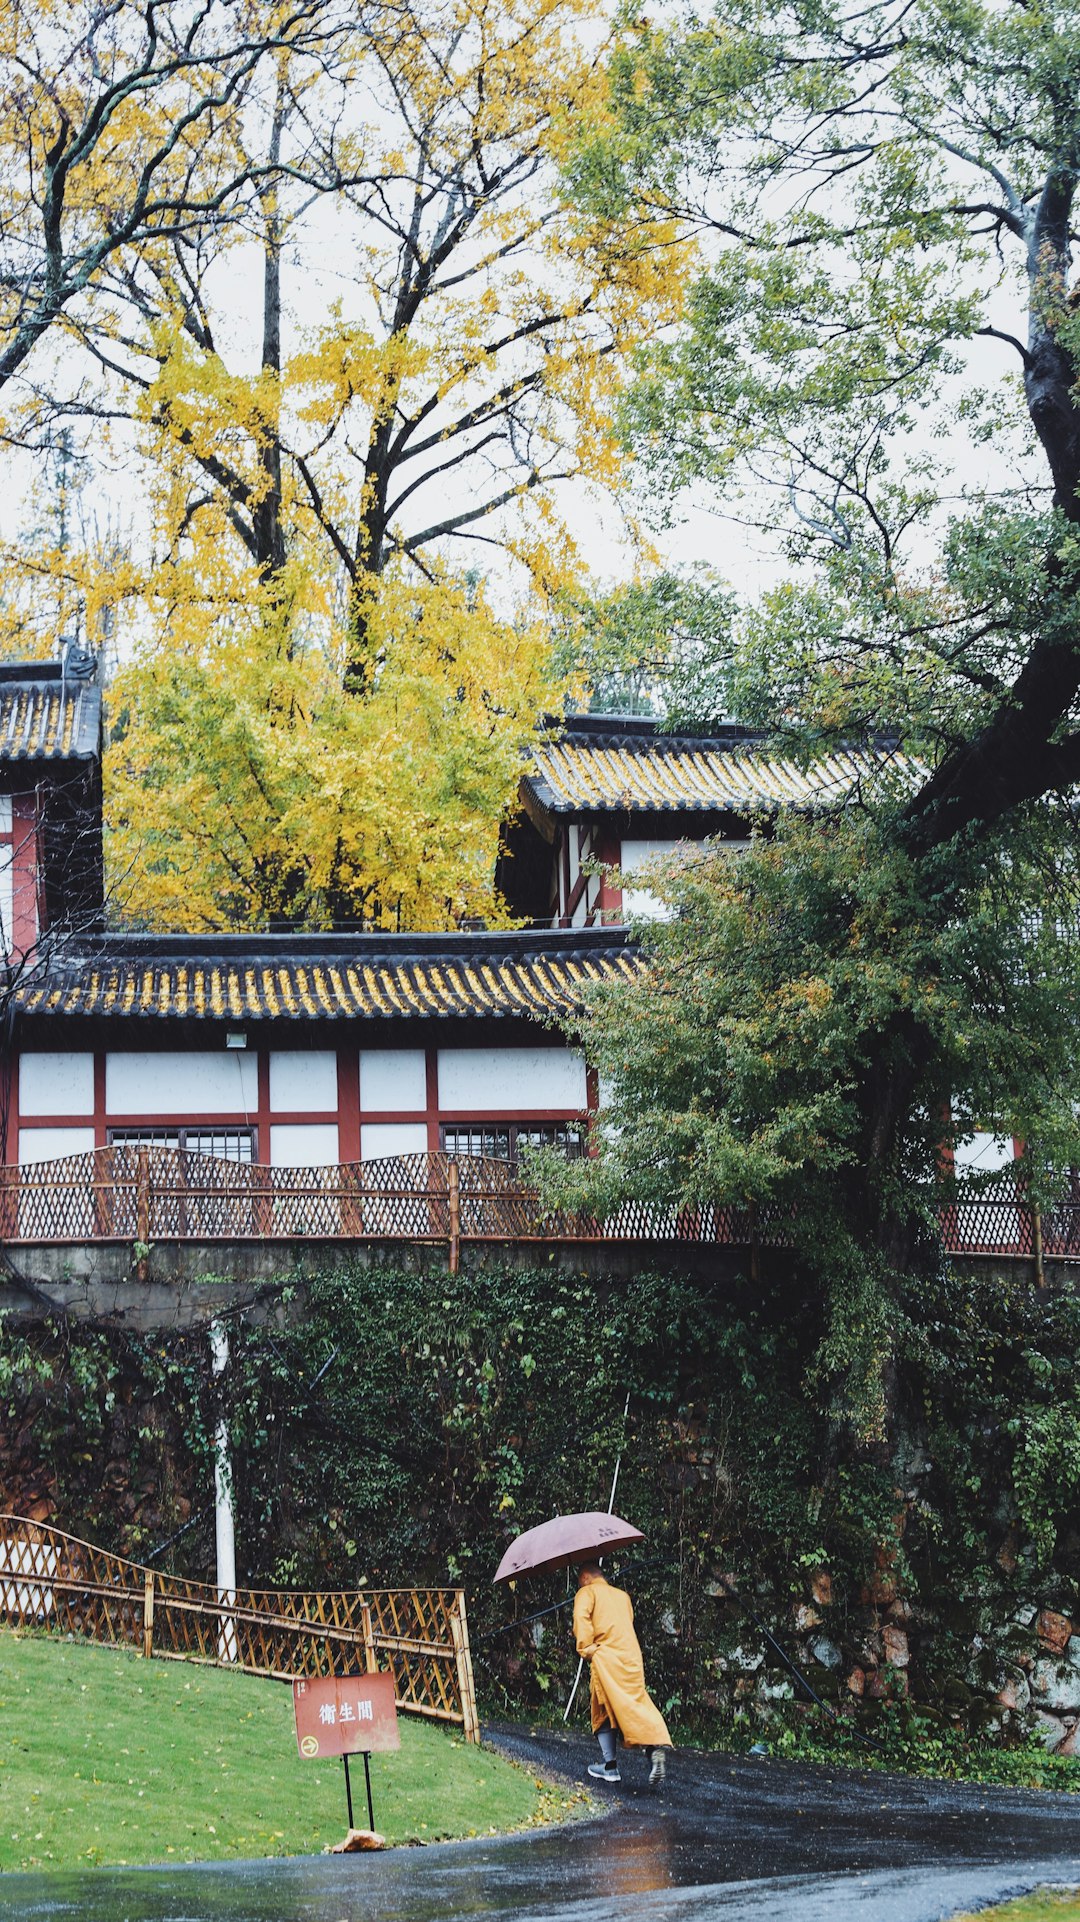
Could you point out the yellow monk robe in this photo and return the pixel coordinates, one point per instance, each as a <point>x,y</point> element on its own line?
<point>604,1632</point>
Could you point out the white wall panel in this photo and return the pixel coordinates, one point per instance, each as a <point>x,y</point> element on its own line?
<point>304,1144</point>
<point>983,1153</point>
<point>56,1084</point>
<point>49,1144</point>
<point>303,1081</point>
<point>225,1082</point>
<point>635,854</point>
<point>378,1138</point>
<point>5,814</point>
<point>393,1080</point>
<point>510,1080</point>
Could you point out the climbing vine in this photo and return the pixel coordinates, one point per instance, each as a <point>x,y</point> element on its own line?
<point>390,1425</point>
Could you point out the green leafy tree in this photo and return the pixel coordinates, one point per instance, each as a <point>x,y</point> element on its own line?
<point>647,646</point>
<point>880,363</point>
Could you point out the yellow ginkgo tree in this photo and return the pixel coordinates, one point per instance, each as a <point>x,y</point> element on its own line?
<point>357,511</point>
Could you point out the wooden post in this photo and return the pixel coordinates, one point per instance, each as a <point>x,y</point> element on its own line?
<point>459,1630</point>
<point>1037,1247</point>
<point>142,1208</point>
<point>369,1638</point>
<point>454,1196</point>
<point>9,1212</point>
<point>148,1615</point>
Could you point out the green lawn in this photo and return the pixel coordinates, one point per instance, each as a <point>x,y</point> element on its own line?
<point>1046,1905</point>
<point>106,1758</point>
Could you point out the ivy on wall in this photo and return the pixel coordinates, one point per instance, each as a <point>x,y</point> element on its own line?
<point>390,1425</point>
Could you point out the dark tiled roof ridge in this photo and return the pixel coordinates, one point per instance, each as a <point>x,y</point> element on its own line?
<point>638,733</point>
<point>51,671</point>
<point>374,946</point>
<point>644,733</point>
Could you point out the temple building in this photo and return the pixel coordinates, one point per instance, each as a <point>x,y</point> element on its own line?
<point>310,1050</point>
<point>50,801</point>
<point>303,1050</point>
<point>605,794</point>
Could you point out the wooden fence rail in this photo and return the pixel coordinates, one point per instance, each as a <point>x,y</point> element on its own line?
<point>54,1581</point>
<point>145,1195</point>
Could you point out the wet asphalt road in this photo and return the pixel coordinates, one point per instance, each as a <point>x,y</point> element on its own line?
<point>737,1838</point>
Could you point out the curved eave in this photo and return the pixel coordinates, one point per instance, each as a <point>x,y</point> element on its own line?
<point>144,991</point>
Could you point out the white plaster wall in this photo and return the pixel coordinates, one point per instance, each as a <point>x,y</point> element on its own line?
<point>304,1144</point>
<point>56,1084</point>
<point>605,1089</point>
<point>510,1080</point>
<point>581,852</point>
<point>303,1081</point>
<point>378,1138</point>
<point>5,814</point>
<point>48,1144</point>
<point>982,1153</point>
<point>187,1085</point>
<point>641,902</point>
<point>393,1080</point>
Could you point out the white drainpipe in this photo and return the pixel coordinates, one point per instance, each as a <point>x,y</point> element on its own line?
<point>224,1519</point>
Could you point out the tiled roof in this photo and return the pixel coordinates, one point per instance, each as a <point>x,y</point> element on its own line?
<point>326,978</point>
<point>604,772</point>
<point>45,717</point>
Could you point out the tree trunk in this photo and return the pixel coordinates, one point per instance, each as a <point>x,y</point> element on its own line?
<point>370,545</point>
<point>1012,759</point>
<point>267,519</point>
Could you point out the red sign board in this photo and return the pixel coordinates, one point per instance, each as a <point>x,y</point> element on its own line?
<point>344,1714</point>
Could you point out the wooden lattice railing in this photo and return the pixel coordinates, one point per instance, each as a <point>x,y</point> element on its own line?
<point>148,1195</point>
<point>54,1581</point>
<point>998,1218</point>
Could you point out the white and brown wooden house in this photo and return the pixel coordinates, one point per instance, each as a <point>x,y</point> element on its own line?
<point>295,1050</point>
<point>604,795</point>
<point>303,1050</point>
<point>50,804</point>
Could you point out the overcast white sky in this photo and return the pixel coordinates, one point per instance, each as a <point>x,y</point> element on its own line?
<point>317,274</point>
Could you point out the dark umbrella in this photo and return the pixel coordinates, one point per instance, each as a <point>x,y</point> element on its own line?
<point>566,1539</point>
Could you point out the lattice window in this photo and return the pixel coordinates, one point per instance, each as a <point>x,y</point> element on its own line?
<point>228,1144</point>
<point>505,1140</point>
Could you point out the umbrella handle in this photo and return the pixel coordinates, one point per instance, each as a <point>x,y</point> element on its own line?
<point>610,1510</point>
<point>574,1690</point>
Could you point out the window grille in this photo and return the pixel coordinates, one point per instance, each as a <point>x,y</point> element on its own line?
<point>505,1140</point>
<point>228,1144</point>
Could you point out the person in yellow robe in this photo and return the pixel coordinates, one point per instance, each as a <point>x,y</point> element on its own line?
<point>604,1633</point>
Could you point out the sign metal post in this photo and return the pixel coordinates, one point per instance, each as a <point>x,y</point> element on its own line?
<point>346,1715</point>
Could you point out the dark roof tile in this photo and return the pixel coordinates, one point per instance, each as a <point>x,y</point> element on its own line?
<point>325,978</point>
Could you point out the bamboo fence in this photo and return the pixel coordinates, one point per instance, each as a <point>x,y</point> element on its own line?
<point>53,1581</point>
